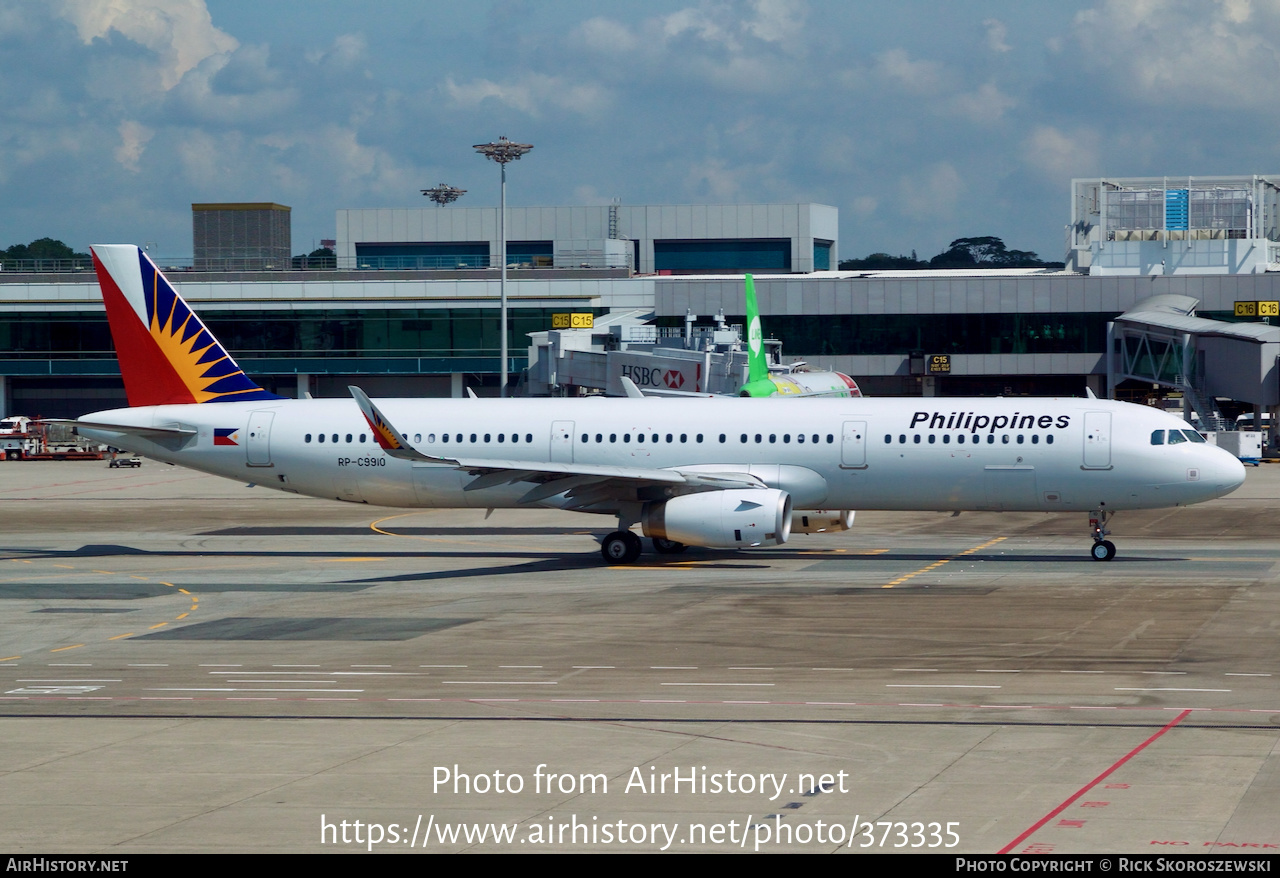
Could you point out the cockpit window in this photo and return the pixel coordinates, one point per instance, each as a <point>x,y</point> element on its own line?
<point>1175,436</point>
<point>1157,438</point>
<point>1193,435</point>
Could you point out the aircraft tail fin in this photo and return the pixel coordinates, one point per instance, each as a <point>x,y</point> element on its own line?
<point>757,360</point>
<point>167,355</point>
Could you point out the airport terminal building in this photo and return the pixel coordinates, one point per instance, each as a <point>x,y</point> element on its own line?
<point>410,305</point>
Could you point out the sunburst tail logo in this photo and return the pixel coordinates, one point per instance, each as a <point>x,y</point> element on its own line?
<point>167,355</point>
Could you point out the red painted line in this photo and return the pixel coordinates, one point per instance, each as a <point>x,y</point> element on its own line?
<point>1091,784</point>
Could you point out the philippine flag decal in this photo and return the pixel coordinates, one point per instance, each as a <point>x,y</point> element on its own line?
<point>225,435</point>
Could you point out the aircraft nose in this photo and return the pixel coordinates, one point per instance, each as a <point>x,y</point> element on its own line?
<point>1225,471</point>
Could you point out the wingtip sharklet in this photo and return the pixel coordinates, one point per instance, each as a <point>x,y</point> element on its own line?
<point>389,439</point>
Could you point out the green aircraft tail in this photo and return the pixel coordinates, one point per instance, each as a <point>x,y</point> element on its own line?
<point>757,362</point>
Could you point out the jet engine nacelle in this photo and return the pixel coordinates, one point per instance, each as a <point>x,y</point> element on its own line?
<point>816,521</point>
<point>730,519</point>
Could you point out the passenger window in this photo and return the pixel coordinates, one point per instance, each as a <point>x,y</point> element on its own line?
<point>668,437</point>
<point>613,437</point>
<point>1005,438</point>
<point>1048,440</point>
<point>335,437</point>
<point>417,438</point>
<point>902,438</point>
<point>431,438</point>
<point>916,439</point>
<point>584,437</point>
<point>699,437</point>
<point>1157,437</point>
<point>362,439</point>
<point>1035,438</point>
<point>800,438</point>
<point>599,437</point>
<point>444,437</point>
<point>473,437</point>
<point>320,437</point>
<point>960,439</point>
<point>501,436</point>
<point>684,437</point>
<point>933,439</point>
<point>773,438</point>
<point>1019,438</point>
<point>946,438</point>
<point>887,438</point>
<point>991,438</point>
<point>307,438</point>
<point>626,437</point>
<point>722,437</point>
<point>759,438</point>
<point>830,439</point>
<point>486,437</point>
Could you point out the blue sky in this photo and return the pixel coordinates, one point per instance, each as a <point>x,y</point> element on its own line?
<point>921,121</point>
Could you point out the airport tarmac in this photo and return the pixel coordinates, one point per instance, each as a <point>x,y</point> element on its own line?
<point>190,664</point>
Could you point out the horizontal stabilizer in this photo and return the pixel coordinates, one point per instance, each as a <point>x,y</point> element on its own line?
<point>128,429</point>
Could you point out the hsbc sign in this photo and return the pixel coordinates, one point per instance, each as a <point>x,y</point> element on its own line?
<point>646,374</point>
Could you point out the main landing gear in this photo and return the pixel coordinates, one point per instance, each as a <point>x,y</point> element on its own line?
<point>621,547</point>
<point>1103,549</point>
<point>624,547</point>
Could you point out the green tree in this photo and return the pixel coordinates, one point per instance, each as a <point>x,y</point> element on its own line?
<point>43,249</point>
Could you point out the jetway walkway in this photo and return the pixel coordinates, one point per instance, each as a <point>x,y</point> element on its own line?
<point>1162,341</point>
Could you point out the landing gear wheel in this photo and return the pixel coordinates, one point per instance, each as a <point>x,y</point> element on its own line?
<point>1103,550</point>
<point>621,547</point>
<point>667,547</point>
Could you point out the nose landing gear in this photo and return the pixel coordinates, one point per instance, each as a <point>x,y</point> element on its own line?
<point>1103,549</point>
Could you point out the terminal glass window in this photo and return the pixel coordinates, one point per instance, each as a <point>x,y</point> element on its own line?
<point>732,255</point>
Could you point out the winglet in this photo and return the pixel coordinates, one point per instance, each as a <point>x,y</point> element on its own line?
<point>390,440</point>
<point>630,388</point>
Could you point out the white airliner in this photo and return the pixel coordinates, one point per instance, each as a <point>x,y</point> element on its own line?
<point>721,473</point>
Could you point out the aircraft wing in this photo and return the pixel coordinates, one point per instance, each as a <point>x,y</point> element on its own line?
<point>583,483</point>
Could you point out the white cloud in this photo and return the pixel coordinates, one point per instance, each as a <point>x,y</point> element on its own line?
<point>932,193</point>
<point>1060,155</point>
<point>605,35</point>
<point>133,140</point>
<point>997,35</point>
<point>1184,52</point>
<point>987,104</point>
<point>181,32</point>
<point>531,93</point>
<point>918,77</point>
<point>779,21</point>
<point>865,206</point>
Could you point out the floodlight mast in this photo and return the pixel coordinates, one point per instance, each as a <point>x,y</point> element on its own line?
<point>444,194</point>
<point>503,151</point>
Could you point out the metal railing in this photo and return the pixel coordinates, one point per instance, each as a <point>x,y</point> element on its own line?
<point>330,263</point>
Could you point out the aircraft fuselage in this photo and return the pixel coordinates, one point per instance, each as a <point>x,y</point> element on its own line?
<point>887,454</point>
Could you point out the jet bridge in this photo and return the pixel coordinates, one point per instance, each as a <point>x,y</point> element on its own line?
<point>689,359</point>
<point>1162,341</point>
